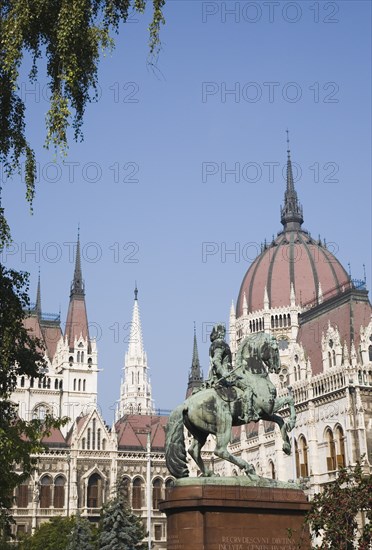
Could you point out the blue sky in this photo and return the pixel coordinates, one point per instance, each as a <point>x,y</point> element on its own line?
<point>151,183</point>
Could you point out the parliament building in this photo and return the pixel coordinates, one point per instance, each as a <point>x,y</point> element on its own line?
<point>296,290</point>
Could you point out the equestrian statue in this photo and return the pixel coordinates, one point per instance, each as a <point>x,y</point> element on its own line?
<point>229,397</point>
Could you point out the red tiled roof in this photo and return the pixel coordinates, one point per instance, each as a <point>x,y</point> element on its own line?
<point>293,258</point>
<point>348,315</point>
<point>55,438</point>
<point>77,320</point>
<point>132,431</point>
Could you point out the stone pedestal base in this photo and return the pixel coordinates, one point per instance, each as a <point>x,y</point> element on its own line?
<point>230,517</point>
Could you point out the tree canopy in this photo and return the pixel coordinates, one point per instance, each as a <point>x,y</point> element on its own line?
<point>71,35</point>
<point>20,355</point>
<point>342,513</point>
<point>120,529</point>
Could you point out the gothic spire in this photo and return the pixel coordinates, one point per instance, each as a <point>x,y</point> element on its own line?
<point>135,348</point>
<point>291,212</point>
<point>196,374</point>
<point>77,320</point>
<point>77,285</point>
<point>38,298</point>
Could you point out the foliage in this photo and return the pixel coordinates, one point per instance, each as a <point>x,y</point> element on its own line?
<point>20,354</point>
<point>81,536</point>
<point>50,535</point>
<point>120,529</point>
<point>334,512</point>
<point>71,34</point>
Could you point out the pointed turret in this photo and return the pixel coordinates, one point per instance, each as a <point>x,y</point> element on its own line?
<point>135,348</point>
<point>291,212</point>
<point>77,320</point>
<point>135,392</point>
<point>77,285</point>
<point>196,373</point>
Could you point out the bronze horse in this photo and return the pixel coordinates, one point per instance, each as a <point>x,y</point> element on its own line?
<point>216,409</point>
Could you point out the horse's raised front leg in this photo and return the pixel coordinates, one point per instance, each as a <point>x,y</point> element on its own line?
<point>284,427</point>
<point>224,425</point>
<point>195,452</point>
<point>279,403</point>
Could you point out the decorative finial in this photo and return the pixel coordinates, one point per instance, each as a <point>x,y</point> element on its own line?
<point>364,272</point>
<point>135,291</point>
<point>194,329</point>
<point>349,265</point>
<point>288,149</point>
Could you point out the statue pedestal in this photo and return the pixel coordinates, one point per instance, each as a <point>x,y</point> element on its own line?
<point>204,516</point>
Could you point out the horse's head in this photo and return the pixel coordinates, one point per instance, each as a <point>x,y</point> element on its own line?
<point>270,354</point>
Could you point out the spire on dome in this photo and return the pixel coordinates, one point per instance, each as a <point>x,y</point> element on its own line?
<point>135,291</point>
<point>291,212</point>
<point>196,374</point>
<point>77,285</point>
<point>38,298</point>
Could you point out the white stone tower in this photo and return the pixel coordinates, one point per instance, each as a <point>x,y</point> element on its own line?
<point>135,391</point>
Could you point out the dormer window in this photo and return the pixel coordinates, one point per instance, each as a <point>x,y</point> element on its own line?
<point>330,343</point>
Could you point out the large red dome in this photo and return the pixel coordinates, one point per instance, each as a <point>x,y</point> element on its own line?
<point>292,258</point>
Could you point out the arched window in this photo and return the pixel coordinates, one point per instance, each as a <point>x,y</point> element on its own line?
<point>169,483</point>
<point>94,492</point>
<point>40,412</point>
<point>82,357</point>
<point>48,383</point>
<point>79,385</point>
<point>88,438</point>
<point>74,384</point>
<point>78,356</point>
<point>280,321</point>
<point>99,439</point>
<point>45,492</point>
<point>340,447</point>
<point>61,384</point>
<point>71,360</point>
<point>94,434</point>
<point>370,353</point>
<point>103,444</point>
<point>84,381</point>
<point>56,384</point>
<point>272,469</point>
<point>124,490</point>
<point>334,357</point>
<point>302,449</point>
<point>22,495</point>
<point>156,493</point>
<point>89,362</point>
<point>132,377</point>
<point>83,443</point>
<point>276,321</point>
<point>329,360</point>
<point>272,321</point>
<point>31,383</point>
<point>289,320</point>
<point>297,458</point>
<point>331,450</point>
<point>22,381</point>
<point>59,492</point>
<point>137,494</point>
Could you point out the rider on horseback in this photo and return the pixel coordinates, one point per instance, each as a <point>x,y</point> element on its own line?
<point>220,371</point>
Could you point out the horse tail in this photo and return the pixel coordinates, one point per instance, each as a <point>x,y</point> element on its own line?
<point>175,450</point>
